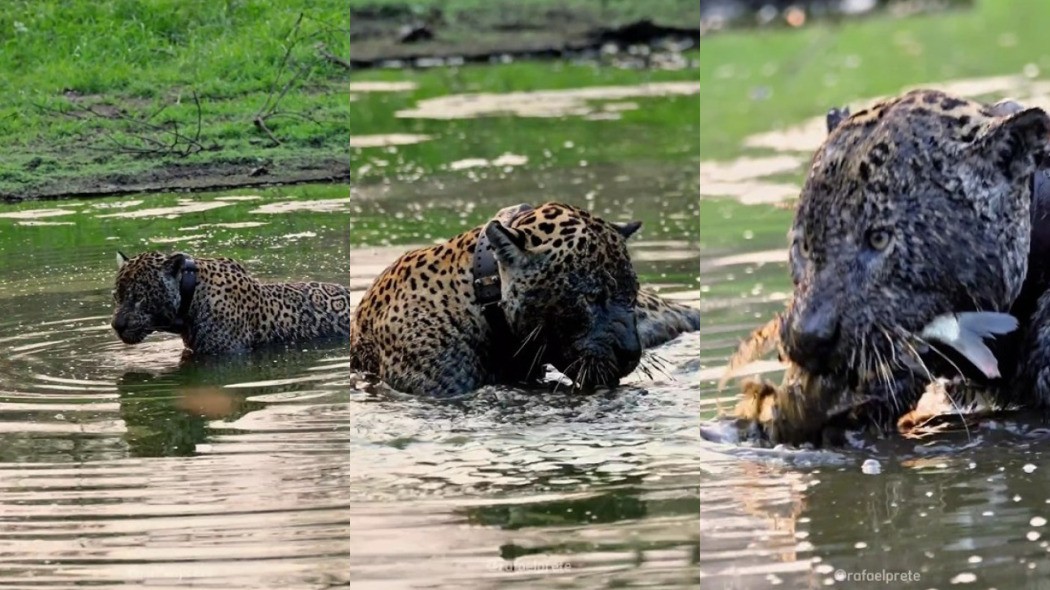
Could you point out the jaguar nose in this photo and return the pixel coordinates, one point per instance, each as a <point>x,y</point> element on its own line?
<point>119,323</point>
<point>627,359</point>
<point>815,338</point>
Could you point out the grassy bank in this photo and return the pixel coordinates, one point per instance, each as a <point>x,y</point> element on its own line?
<point>100,92</point>
<point>755,81</point>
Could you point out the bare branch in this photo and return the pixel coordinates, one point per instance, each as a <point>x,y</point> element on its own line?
<point>141,137</point>
<point>260,124</point>
<point>279,90</point>
<point>333,58</point>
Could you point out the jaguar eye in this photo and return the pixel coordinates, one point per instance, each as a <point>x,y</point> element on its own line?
<point>803,248</point>
<point>879,239</point>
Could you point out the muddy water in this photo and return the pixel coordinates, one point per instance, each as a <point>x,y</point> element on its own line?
<point>957,509</point>
<point>571,491</point>
<point>125,466</point>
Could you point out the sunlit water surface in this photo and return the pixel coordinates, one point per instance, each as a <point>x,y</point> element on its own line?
<point>516,488</point>
<point>961,509</point>
<point>126,466</point>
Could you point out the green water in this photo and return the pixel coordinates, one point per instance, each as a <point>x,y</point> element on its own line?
<point>574,492</point>
<point>125,466</point>
<point>511,488</point>
<point>119,463</point>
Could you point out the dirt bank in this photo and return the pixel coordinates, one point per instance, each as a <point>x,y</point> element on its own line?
<point>393,35</point>
<point>189,177</point>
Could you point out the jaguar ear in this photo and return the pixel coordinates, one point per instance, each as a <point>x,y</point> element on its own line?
<point>1016,143</point>
<point>508,243</point>
<point>836,116</point>
<point>627,230</point>
<point>174,263</point>
<point>122,259</point>
<point>1006,107</point>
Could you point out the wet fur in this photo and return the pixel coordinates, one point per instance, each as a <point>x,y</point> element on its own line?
<point>570,295</point>
<point>948,179</point>
<point>231,311</point>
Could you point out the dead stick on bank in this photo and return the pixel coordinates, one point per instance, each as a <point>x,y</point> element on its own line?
<point>154,139</point>
<point>323,52</point>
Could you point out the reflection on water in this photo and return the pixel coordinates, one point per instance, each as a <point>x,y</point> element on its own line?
<point>577,102</point>
<point>119,465</point>
<point>568,490</point>
<point>774,179</point>
<point>133,466</point>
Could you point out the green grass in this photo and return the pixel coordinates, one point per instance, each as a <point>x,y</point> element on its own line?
<point>129,59</point>
<point>801,73</point>
<point>94,89</point>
